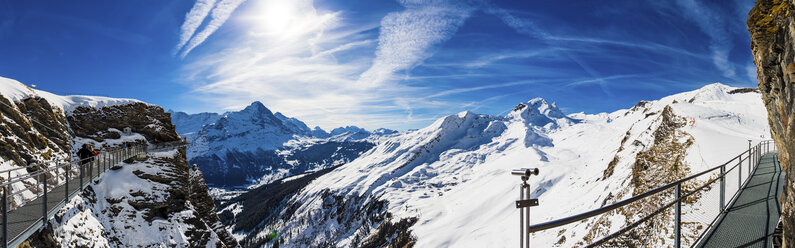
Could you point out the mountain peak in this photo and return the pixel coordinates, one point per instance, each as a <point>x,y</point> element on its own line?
<point>257,107</point>
<point>714,91</point>
<point>539,112</point>
<point>347,129</point>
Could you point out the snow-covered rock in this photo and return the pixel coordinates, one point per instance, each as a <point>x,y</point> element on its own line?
<point>15,91</point>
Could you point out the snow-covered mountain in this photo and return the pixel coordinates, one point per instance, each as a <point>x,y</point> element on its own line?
<point>127,205</point>
<point>449,184</point>
<point>257,146</point>
<point>188,124</point>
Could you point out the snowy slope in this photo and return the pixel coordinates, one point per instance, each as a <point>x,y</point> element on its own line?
<point>453,176</point>
<point>16,91</point>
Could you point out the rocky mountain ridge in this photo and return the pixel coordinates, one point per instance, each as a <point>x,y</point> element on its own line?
<point>125,206</point>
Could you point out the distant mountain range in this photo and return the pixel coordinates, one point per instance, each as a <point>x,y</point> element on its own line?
<point>255,145</point>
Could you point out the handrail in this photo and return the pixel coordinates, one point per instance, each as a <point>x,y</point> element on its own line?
<point>585,215</point>
<point>110,150</point>
<point>48,169</point>
<point>659,210</point>
<point>100,165</point>
<point>78,164</point>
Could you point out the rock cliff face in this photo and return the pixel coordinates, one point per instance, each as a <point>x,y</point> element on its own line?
<point>772,27</point>
<point>148,202</point>
<point>154,194</point>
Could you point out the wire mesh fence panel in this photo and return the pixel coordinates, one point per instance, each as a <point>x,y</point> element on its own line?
<point>562,236</point>
<point>648,221</point>
<point>732,182</point>
<point>700,209</point>
<point>654,230</point>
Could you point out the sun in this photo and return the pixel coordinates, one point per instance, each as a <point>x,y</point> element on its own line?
<point>275,17</point>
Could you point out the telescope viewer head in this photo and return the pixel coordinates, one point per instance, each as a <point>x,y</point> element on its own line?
<point>526,172</point>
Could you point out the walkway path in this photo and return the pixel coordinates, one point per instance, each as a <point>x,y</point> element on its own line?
<point>752,218</point>
<point>25,220</point>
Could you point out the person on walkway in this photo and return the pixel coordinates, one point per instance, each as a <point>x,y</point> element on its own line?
<point>86,154</point>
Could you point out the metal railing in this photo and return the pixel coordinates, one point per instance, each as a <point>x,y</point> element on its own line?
<point>50,187</point>
<point>696,199</point>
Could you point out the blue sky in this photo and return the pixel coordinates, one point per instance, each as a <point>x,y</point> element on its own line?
<point>395,64</point>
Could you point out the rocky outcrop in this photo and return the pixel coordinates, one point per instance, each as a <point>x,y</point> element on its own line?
<point>772,27</point>
<point>157,194</point>
<point>149,120</point>
<point>32,132</point>
<point>206,206</point>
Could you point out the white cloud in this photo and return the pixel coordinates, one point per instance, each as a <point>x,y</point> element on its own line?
<point>193,20</point>
<point>711,24</point>
<point>295,70</point>
<point>487,60</point>
<point>307,65</point>
<point>218,16</point>
<point>527,27</point>
<point>407,37</point>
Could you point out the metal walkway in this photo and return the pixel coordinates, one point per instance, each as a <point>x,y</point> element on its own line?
<point>734,204</point>
<point>752,218</point>
<point>65,181</point>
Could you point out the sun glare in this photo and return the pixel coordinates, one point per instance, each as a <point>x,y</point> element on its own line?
<point>276,17</point>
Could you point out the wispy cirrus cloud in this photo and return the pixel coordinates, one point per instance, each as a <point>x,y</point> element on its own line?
<point>714,26</point>
<point>407,37</point>
<point>197,15</point>
<point>527,27</point>
<point>193,20</point>
<point>294,67</point>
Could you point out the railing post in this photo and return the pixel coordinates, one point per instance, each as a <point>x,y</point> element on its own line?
<point>521,217</point>
<point>749,155</point>
<point>722,186</point>
<point>678,228</point>
<point>80,168</point>
<point>523,204</point>
<point>527,214</point>
<point>66,185</point>
<point>5,216</point>
<point>44,203</point>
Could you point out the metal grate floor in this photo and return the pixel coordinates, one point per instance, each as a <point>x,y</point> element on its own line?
<point>752,218</point>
